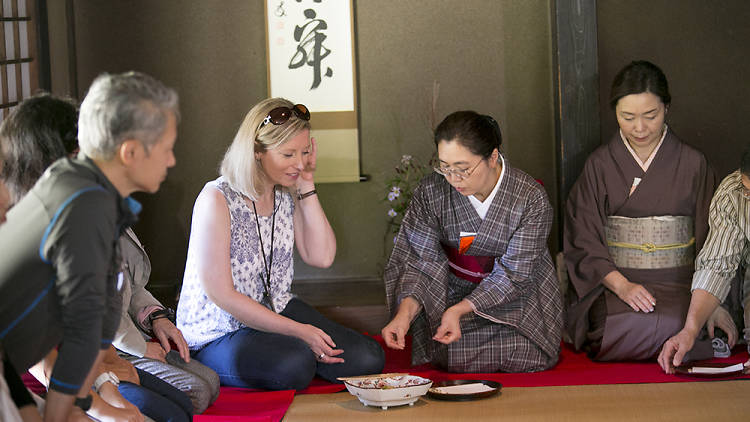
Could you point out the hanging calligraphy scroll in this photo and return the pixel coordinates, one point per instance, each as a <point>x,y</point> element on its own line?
<point>310,53</point>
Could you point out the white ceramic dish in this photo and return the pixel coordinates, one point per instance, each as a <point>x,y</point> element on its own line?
<point>385,392</point>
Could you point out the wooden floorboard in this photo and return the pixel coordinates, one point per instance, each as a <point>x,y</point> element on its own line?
<point>340,293</point>
<point>699,401</point>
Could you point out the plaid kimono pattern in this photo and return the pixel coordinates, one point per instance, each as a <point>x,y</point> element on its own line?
<point>517,320</point>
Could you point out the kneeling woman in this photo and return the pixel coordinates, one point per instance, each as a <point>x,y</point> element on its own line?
<point>634,221</point>
<point>236,310</point>
<point>470,272</point>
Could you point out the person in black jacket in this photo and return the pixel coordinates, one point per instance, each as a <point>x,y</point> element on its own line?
<point>58,284</point>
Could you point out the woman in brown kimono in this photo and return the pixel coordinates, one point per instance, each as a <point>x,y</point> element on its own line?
<point>470,272</point>
<point>634,221</point>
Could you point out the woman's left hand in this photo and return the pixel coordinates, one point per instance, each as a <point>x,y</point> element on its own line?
<point>310,162</point>
<point>450,327</point>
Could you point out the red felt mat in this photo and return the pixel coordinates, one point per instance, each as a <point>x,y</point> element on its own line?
<point>573,368</point>
<point>243,405</point>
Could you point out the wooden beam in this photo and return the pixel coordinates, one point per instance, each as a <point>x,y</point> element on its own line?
<point>577,91</point>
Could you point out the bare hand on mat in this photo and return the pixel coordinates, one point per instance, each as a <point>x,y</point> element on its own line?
<point>674,350</point>
<point>720,318</point>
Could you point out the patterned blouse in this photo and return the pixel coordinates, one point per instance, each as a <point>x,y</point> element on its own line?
<point>202,321</point>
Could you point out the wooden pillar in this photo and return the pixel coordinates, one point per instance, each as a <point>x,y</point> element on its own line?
<point>576,91</point>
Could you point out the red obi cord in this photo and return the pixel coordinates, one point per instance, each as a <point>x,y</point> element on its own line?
<point>470,268</point>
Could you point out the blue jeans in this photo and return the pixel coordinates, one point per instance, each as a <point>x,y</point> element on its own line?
<point>157,399</point>
<point>256,359</point>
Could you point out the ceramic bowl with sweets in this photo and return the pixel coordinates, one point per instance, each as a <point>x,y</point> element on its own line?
<point>386,390</point>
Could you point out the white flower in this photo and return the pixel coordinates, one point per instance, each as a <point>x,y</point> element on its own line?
<point>396,190</point>
<point>392,213</point>
<point>392,196</point>
<point>405,159</point>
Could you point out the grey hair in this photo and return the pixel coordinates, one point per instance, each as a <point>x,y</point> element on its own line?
<point>124,106</point>
<point>239,167</point>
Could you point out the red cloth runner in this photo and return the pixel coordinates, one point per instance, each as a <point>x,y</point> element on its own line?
<point>244,405</point>
<point>573,368</point>
<point>479,265</point>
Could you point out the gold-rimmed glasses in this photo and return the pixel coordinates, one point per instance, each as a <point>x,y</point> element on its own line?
<point>459,174</point>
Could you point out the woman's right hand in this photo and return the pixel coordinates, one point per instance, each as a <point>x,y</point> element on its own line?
<point>634,294</point>
<point>320,343</point>
<point>394,334</point>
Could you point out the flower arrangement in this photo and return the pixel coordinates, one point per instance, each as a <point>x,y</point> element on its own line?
<point>400,188</point>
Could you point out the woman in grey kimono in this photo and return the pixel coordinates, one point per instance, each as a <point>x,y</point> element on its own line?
<point>634,220</point>
<point>470,272</point>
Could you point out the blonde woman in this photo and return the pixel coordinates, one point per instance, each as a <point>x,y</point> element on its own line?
<point>236,309</point>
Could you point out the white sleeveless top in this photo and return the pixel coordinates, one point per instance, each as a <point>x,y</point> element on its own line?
<point>202,321</point>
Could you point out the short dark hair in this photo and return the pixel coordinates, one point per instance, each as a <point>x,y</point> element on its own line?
<point>745,162</point>
<point>39,131</point>
<point>638,77</point>
<point>477,132</point>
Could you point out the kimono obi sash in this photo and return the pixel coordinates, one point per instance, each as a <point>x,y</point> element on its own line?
<point>470,268</point>
<point>651,242</point>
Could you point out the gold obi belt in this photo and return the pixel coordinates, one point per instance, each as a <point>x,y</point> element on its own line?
<point>651,242</point>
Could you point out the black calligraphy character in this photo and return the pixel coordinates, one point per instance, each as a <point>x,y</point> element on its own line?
<point>310,50</point>
<point>280,12</point>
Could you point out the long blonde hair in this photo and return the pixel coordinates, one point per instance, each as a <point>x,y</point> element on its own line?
<point>239,166</point>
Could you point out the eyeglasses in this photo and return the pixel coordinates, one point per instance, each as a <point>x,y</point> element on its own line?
<point>280,115</point>
<point>459,174</point>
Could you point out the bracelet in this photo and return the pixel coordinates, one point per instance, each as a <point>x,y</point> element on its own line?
<point>301,196</point>
<point>105,377</point>
<point>162,313</point>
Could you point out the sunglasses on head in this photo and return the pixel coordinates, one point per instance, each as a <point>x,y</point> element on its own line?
<point>280,115</point>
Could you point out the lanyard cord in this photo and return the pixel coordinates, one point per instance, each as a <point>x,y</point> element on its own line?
<point>267,267</point>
